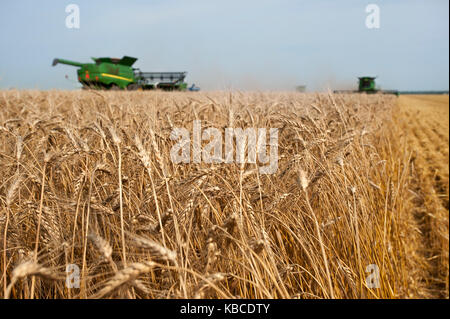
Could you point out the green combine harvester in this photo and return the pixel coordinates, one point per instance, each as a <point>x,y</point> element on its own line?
<point>118,74</point>
<point>366,84</point>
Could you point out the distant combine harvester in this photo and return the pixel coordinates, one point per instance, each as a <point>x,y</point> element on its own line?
<point>366,84</point>
<point>300,88</point>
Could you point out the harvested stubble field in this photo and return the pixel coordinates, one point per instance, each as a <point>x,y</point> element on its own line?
<point>87,180</point>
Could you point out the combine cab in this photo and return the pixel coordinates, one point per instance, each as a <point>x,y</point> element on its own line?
<point>116,74</point>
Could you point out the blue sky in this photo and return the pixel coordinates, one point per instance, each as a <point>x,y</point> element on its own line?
<point>247,45</point>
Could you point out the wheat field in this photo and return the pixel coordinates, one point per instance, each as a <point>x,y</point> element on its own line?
<point>87,180</point>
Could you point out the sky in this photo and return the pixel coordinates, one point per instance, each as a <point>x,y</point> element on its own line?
<point>241,45</point>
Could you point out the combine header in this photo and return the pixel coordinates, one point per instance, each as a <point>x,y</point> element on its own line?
<point>116,74</point>
<point>367,85</point>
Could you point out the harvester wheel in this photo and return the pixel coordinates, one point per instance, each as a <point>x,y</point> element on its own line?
<point>114,87</point>
<point>132,87</point>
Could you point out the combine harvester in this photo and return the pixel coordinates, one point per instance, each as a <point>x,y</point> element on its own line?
<point>117,74</point>
<point>367,85</point>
